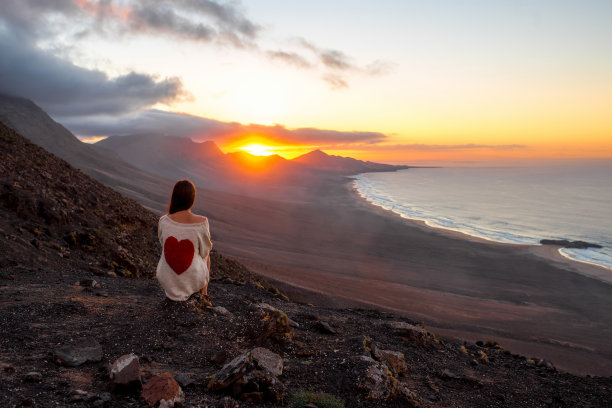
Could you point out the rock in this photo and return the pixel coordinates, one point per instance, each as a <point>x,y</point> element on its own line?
<point>265,359</point>
<point>252,376</point>
<point>7,368</point>
<point>89,283</point>
<point>220,310</point>
<point>394,359</point>
<point>125,373</point>
<point>227,402</point>
<point>230,373</point>
<point>268,323</point>
<point>219,357</point>
<point>569,244</point>
<point>33,376</point>
<point>163,389</point>
<point>324,327</point>
<point>377,380</point>
<point>183,379</point>
<point>448,374</point>
<point>82,351</point>
<point>412,332</point>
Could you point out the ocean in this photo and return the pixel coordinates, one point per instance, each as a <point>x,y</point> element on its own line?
<point>516,205</point>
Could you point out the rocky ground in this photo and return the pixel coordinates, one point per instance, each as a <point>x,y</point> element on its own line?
<point>82,325</point>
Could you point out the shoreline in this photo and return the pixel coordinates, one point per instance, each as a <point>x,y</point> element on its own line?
<point>548,252</point>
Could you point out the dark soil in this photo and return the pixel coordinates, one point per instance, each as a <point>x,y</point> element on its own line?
<point>60,230</point>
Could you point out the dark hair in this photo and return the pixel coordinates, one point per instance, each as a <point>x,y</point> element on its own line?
<point>183,196</point>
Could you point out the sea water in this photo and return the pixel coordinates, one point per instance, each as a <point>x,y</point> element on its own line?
<point>516,205</point>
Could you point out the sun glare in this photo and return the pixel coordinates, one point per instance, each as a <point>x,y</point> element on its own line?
<point>257,149</point>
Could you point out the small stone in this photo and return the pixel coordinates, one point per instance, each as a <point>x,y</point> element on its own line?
<point>183,379</point>
<point>82,351</point>
<point>324,327</point>
<point>219,357</point>
<point>220,310</point>
<point>448,374</point>
<point>33,376</point>
<point>227,402</point>
<point>125,373</point>
<point>163,389</point>
<point>254,397</point>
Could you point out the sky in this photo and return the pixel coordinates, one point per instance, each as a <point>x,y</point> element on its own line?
<point>393,80</point>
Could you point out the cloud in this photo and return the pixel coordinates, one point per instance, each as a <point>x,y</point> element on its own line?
<point>291,58</point>
<point>157,122</point>
<point>427,147</point>
<point>339,65</point>
<point>335,81</point>
<point>64,89</point>
<point>198,20</point>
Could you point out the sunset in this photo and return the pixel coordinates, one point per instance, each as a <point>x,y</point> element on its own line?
<point>316,204</point>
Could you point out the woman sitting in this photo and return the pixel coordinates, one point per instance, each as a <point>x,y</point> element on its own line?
<point>184,266</point>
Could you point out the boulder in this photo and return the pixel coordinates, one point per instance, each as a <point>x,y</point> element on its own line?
<point>125,373</point>
<point>412,332</point>
<point>82,351</point>
<point>267,360</point>
<point>252,376</point>
<point>163,389</point>
<point>377,381</point>
<point>394,359</point>
<point>268,323</point>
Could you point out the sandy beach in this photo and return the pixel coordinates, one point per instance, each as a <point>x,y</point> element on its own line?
<point>340,250</point>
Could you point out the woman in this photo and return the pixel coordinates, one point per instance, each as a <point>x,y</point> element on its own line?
<point>184,266</point>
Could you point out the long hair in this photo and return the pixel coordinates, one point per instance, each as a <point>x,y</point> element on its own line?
<point>183,196</point>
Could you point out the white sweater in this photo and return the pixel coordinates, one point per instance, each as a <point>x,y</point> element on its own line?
<point>182,269</point>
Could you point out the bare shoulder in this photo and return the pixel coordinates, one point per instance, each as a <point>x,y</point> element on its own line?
<point>199,218</point>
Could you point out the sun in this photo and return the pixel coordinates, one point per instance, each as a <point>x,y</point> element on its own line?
<point>257,149</point>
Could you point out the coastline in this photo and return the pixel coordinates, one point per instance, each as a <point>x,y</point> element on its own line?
<point>346,251</point>
<point>548,252</point>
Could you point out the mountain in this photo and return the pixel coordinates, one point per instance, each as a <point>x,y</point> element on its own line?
<point>206,165</point>
<point>343,165</point>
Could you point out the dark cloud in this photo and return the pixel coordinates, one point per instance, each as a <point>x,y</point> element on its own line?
<point>198,128</point>
<point>64,89</point>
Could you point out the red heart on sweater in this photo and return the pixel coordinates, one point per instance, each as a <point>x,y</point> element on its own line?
<point>179,254</point>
